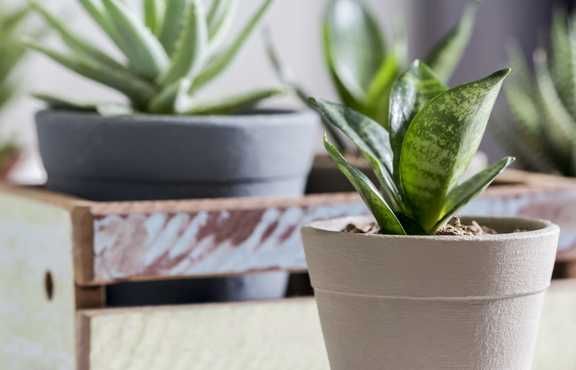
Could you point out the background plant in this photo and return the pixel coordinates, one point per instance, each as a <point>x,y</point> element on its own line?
<point>13,24</point>
<point>420,156</point>
<point>363,63</point>
<point>543,103</point>
<point>171,50</point>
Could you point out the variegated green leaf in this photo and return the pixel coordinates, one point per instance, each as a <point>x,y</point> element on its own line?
<point>143,50</point>
<point>441,142</point>
<point>445,57</point>
<point>371,139</point>
<point>192,47</point>
<point>229,105</point>
<point>221,61</point>
<point>385,217</point>
<point>173,23</point>
<point>410,93</point>
<point>153,15</point>
<point>73,41</point>
<point>462,194</point>
<point>354,45</point>
<point>560,127</point>
<point>220,19</point>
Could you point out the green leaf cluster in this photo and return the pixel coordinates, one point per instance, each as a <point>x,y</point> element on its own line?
<point>543,103</point>
<point>364,65</point>
<point>169,50</point>
<point>420,156</point>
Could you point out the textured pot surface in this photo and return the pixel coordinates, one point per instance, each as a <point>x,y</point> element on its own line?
<point>168,157</point>
<point>431,303</point>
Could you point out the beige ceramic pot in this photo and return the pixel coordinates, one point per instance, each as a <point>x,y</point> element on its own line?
<point>432,302</point>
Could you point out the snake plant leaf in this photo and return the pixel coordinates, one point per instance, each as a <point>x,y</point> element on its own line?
<point>230,104</point>
<point>142,48</point>
<point>561,128</point>
<point>134,87</point>
<point>385,217</point>
<point>220,19</point>
<point>444,58</point>
<point>192,46</point>
<point>371,139</point>
<point>410,93</point>
<point>462,194</point>
<point>354,45</point>
<point>441,142</point>
<point>378,96</point>
<point>153,14</point>
<point>173,23</point>
<point>72,40</point>
<point>223,59</point>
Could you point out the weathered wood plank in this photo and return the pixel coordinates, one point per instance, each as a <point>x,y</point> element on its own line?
<point>266,335</point>
<point>282,335</point>
<point>36,331</point>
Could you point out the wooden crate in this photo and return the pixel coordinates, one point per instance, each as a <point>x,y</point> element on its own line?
<point>59,255</point>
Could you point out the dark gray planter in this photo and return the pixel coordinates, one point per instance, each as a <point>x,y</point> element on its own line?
<point>266,153</point>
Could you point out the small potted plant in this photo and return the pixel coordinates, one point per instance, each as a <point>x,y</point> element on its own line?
<point>417,288</point>
<point>167,142</point>
<point>543,132</point>
<point>12,52</point>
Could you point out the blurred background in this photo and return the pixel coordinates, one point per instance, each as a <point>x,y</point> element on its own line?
<point>295,25</point>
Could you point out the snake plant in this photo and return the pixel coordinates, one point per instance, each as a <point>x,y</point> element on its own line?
<point>420,156</point>
<point>363,65</point>
<point>543,103</point>
<point>170,51</point>
<point>13,24</point>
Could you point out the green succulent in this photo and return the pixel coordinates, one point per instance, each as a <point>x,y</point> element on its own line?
<point>363,65</point>
<point>543,103</point>
<point>421,155</point>
<point>170,51</point>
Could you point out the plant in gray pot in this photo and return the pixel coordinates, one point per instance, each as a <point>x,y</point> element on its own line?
<point>167,142</point>
<point>415,287</point>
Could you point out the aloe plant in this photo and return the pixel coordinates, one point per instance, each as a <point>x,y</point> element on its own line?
<point>170,51</point>
<point>543,103</point>
<point>419,157</point>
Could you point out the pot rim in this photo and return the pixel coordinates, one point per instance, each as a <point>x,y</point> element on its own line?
<point>544,227</point>
<point>266,117</point>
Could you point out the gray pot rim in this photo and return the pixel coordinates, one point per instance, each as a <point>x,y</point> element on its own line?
<point>259,118</point>
<point>538,228</point>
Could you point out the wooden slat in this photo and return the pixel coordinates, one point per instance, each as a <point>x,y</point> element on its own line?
<point>263,335</point>
<point>257,336</point>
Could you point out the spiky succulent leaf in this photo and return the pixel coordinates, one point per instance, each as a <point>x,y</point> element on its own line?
<point>445,57</point>
<point>153,14</point>
<point>410,93</point>
<point>99,16</point>
<point>173,23</point>
<point>441,142</point>
<point>223,59</point>
<point>371,139</point>
<point>230,104</point>
<point>354,45</point>
<point>219,20</point>
<point>192,46</point>
<point>143,50</point>
<point>563,63</point>
<point>462,194</point>
<point>560,127</point>
<point>385,217</point>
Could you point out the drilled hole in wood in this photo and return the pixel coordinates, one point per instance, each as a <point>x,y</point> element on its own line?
<point>49,285</point>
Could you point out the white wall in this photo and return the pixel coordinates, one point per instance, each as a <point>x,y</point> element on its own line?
<point>295,26</point>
